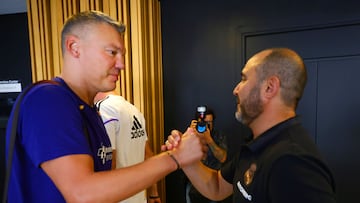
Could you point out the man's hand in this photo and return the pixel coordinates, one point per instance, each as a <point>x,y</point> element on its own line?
<point>173,140</point>
<point>191,140</point>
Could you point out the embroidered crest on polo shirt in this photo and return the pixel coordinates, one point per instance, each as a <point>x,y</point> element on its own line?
<point>249,174</point>
<point>137,130</point>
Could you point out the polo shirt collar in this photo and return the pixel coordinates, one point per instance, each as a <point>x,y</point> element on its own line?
<point>263,140</point>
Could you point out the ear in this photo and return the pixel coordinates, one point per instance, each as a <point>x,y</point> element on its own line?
<point>272,87</point>
<point>72,46</point>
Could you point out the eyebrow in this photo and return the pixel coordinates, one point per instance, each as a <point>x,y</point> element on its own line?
<point>123,50</point>
<point>117,48</point>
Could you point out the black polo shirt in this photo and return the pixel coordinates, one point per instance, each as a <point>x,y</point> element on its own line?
<point>282,165</point>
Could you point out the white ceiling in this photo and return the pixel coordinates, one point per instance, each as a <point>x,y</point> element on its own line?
<point>12,6</point>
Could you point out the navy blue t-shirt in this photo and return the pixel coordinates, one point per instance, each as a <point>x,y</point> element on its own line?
<point>53,122</point>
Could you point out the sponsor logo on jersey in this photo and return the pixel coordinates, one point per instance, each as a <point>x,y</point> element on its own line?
<point>137,129</point>
<point>104,153</point>
<point>243,191</point>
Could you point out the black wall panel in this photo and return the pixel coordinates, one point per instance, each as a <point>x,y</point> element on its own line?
<point>338,129</point>
<point>14,65</point>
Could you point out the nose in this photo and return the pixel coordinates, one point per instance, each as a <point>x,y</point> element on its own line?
<point>236,90</point>
<point>120,62</point>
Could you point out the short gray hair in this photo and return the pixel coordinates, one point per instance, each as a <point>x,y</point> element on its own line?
<point>289,67</point>
<point>85,18</point>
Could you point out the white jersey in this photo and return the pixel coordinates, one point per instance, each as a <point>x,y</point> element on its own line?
<point>125,125</point>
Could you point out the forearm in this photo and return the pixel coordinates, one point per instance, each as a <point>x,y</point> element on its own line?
<point>153,169</point>
<point>84,185</point>
<point>218,152</point>
<point>152,191</point>
<point>205,180</point>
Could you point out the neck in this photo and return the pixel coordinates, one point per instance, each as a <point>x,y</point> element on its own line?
<point>80,90</point>
<point>265,122</point>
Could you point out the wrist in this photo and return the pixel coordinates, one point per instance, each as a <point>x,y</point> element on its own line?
<point>174,159</point>
<point>153,196</point>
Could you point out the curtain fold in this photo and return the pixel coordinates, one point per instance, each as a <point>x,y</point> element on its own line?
<point>140,82</point>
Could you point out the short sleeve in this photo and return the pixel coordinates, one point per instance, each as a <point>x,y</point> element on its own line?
<point>228,169</point>
<point>51,124</point>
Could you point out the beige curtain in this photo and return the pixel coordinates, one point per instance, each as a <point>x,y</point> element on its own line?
<point>141,81</point>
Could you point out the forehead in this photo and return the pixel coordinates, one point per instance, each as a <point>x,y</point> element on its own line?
<point>249,69</point>
<point>254,62</point>
<point>104,31</point>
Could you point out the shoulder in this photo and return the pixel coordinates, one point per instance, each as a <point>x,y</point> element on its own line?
<point>50,103</point>
<point>123,104</point>
<point>295,142</point>
<point>229,167</point>
<point>294,156</point>
<point>302,173</point>
<point>118,106</point>
<point>49,94</point>
<point>115,100</point>
<point>292,146</point>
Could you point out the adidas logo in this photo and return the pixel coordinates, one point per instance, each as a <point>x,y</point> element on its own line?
<point>137,129</point>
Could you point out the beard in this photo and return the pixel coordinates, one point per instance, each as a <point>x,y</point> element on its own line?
<point>250,108</point>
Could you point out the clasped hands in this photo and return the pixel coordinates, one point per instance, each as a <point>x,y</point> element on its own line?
<point>192,140</point>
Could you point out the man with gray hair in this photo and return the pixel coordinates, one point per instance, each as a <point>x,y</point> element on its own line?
<point>62,152</point>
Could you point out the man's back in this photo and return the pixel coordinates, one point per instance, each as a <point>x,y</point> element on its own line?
<point>125,125</point>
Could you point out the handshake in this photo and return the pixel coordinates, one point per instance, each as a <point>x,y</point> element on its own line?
<point>187,148</point>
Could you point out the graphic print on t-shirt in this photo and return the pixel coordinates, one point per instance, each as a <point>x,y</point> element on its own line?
<point>137,129</point>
